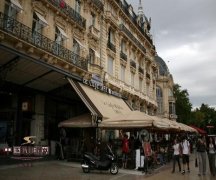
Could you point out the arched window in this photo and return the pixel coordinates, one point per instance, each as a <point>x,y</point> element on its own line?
<point>159,95</point>
<point>76,51</point>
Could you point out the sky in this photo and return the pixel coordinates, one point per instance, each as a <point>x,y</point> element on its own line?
<point>184,33</point>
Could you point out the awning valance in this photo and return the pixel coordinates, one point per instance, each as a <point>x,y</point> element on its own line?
<point>82,121</point>
<point>132,119</point>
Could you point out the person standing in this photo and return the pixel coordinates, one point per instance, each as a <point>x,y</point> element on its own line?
<point>125,150</point>
<point>211,149</point>
<point>201,153</point>
<point>176,155</point>
<point>185,154</point>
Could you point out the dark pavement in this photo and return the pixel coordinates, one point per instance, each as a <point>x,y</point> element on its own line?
<point>62,170</point>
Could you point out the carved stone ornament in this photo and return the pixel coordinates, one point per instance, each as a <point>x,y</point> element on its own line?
<point>39,7</point>
<point>61,21</point>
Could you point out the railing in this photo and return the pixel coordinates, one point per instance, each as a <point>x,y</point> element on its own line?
<point>131,36</point>
<point>148,75</point>
<point>99,4</point>
<point>133,64</point>
<point>68,11</point>
<point>111,46</point>
<point>123,56</point>
<point>23,32</point>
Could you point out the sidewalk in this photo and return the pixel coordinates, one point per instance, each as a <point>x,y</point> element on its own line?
<point>63,170</point>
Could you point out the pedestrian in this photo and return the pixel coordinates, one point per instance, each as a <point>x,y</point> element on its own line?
<point>176,155</point>
<point>185,154</point>
<point>201,153</point>
<point>125,150</point>
<point>211,149</point>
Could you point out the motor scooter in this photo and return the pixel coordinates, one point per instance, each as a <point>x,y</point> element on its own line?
<point>107,162</point>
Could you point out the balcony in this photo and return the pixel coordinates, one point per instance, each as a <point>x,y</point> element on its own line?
<point>98,4</point>
<point>133,64</point>
<point>111,46</point>
<point>123,56</point>
<point>20,31</point>
<point>68,11</point>
<point>131,37</point>
<point>111,18</point>
<point>94,32</point>
<point>141,71</point>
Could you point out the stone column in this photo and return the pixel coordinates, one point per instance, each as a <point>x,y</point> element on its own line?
<point>37,124</point>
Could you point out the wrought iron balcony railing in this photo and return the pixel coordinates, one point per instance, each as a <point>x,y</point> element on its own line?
<point>99,4</point>
<point>131,36</point>
<point>23,32</point>
<point>111,46</point>
<point>148,75</point>
<point>68,11</point>
<point>123,56</point>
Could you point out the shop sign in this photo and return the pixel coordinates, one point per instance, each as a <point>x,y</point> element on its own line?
<point>99,86</point>
<point>27,150</point>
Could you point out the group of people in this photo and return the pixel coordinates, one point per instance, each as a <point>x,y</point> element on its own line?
<point>153,153</point>
<point>182,149</point>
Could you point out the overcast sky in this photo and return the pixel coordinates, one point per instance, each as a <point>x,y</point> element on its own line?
<point>184,33</point>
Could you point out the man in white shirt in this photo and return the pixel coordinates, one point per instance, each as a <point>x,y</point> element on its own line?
<point>185,153</point>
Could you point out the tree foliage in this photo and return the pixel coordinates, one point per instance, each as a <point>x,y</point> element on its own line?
<point>183,105</point>
<point>203,117</point>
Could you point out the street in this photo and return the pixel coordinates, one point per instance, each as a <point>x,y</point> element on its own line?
<point>61,170</point>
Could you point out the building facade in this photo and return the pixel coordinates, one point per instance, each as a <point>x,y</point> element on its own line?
<point>49,46</point>
<point>164,91</point>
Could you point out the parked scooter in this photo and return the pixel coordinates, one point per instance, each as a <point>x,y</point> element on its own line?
<point>92,162</point>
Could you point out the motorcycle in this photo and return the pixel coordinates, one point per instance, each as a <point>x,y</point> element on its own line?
<point>92,162</point>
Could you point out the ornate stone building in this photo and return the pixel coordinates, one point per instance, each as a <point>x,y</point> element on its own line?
<point>49,48</point>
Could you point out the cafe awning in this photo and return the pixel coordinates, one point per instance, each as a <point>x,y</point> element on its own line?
<point>100,104</point>
<point>199,130</point>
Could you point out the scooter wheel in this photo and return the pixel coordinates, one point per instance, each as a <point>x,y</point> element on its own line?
<point>86,170</point>
<point>114,169</point>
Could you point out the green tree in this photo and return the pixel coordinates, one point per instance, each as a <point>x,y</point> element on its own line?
<point>183,105</point>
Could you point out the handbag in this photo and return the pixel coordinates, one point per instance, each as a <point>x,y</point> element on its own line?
<point>196,163</point>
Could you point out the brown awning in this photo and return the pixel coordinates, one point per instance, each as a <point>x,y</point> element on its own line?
<point>82,121</point>
<point>100,104</point>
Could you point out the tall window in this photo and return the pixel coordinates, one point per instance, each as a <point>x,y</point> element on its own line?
<point>122,73</point>
<point>132,79</point>
<point>140,85</point>
<point>76,51</point>
<point>123,46</point>
<point>36,25</point>
<point>93,17</point>
<point>110,65</point>
<point>77,6</point>
<point>159,95</point>
<point>11,10</point>
<point>91,56</point>
<point>111,36</point>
